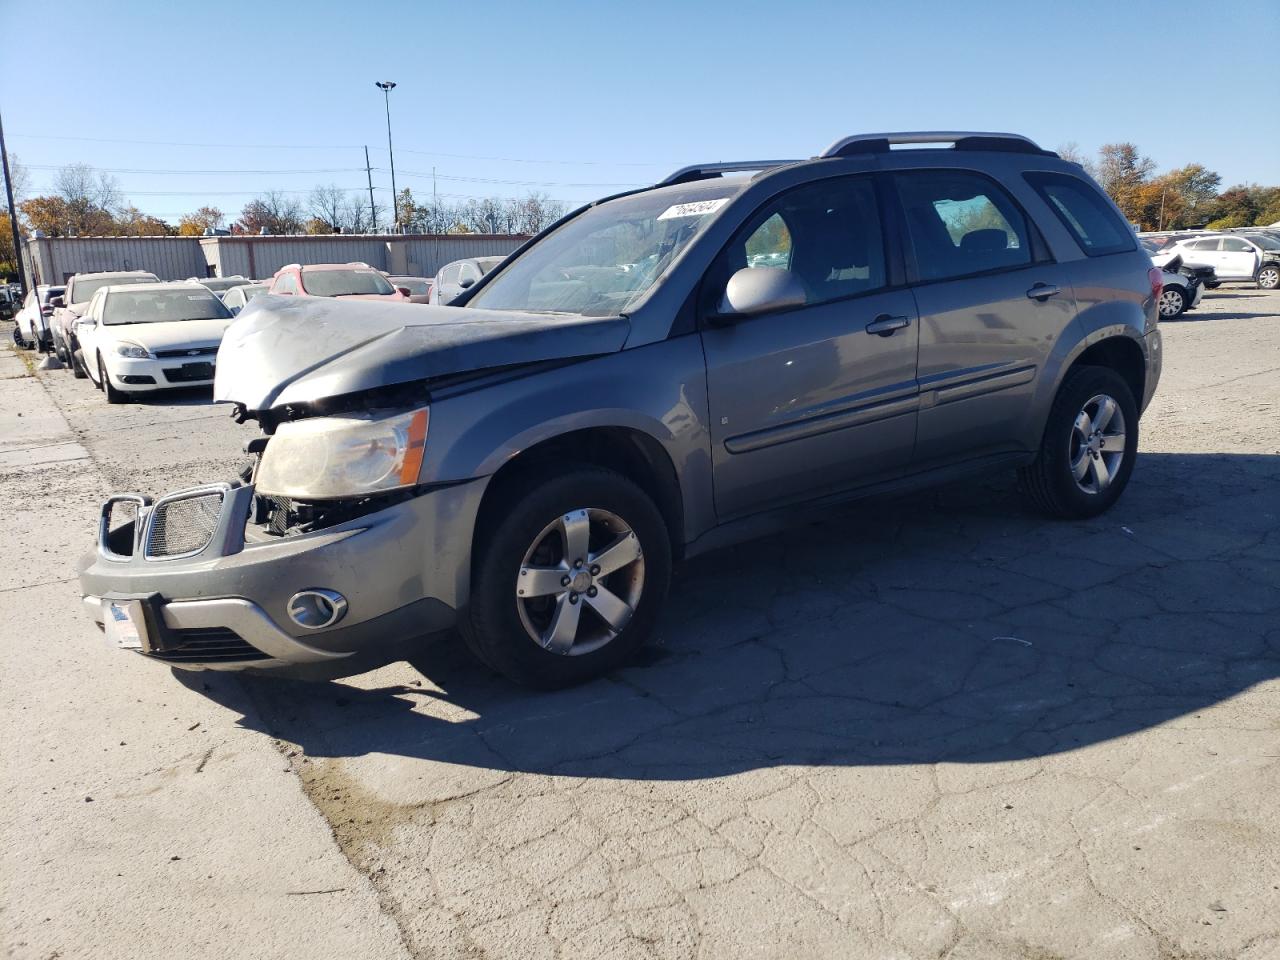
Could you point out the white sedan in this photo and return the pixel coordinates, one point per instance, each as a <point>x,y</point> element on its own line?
<point>157,336</point>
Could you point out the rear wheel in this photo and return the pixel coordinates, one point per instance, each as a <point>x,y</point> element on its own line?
<point>1269,277</point>
<point>1173,303</point>
<point>569,580</point>
<point>113,395</point>
<point>1089,446</point>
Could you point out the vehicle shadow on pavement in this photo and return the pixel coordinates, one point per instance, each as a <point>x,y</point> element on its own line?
<point>954,626</point>
<point>1255,305</point>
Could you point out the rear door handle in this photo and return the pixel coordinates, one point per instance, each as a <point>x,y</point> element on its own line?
<point>884,325</point>
<point>1043,291</point>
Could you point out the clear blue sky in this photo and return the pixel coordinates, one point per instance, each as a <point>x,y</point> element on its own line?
<point>584,98</point>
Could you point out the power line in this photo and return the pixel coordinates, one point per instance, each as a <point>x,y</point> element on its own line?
<point>352,146</point>
<point>514,183</point>
<point>54,166</point>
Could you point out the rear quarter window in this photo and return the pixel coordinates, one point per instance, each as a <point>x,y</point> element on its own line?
<point>1084,212</point>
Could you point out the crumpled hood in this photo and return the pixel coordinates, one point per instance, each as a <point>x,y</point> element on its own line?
<point>282,350</point>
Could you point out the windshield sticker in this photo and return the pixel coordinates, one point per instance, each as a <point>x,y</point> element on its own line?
<point>200,296</point>
<point>699,208</point>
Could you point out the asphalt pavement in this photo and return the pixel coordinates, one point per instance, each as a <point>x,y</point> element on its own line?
<point>931,726</point>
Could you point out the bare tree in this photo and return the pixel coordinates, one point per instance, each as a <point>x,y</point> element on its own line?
<point>1071,151</point>
<point>329,205</point>
<point>19,179</point>
<point>275,211</point>
<point>81,185</point>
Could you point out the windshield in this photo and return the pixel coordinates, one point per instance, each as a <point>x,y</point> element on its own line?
<point>604,260</point>
<point>85,289</point>
<point>249,291</point>
<point>162,306</point>
<point>220,284</point>
<point>345,283</point>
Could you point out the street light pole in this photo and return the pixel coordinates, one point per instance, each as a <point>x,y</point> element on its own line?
<point>13,214</point>
<point>386,86</point>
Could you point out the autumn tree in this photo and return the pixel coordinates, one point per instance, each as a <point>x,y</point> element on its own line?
<point>194,224</point>
<point>1122,171</point>
<point>132,222</point>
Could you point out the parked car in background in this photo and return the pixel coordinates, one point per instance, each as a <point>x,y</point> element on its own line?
<point>453,278</point>
<point>220,285</point>
<point>238,297</point>
<point>1236,257</point>
<point>527,467</point>
<point>8,303</point>
<point>1182,289</point>
<point>33,329</point>
<point>419,287</point>
<point>344,281</point>
<point>68,308</point>
<point>143,339</point>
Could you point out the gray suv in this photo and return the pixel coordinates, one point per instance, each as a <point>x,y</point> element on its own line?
<point>660,373</point>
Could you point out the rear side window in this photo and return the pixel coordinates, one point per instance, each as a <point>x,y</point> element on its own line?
<point>1084,212</point>
<point>961,224</point>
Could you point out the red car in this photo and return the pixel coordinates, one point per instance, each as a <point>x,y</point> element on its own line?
<point>343,281</point>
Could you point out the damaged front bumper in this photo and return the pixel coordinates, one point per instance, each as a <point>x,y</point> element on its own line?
<point>191,580</point>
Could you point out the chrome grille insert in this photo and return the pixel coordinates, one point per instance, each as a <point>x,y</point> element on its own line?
<point>117,527</point>
<point>182,525</point>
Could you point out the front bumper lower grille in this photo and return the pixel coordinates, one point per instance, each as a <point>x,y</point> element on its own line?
<point>206,645</point>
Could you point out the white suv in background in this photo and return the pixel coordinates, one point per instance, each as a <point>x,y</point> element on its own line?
<point>1237,257</point>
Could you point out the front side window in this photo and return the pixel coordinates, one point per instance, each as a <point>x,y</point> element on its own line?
<point>346,283</point>
<point>827,234</point>
<point>607,258</point>
<point>1235,245</point>
<point>1084,212</point>
<point>961,224</point>
<point>162,306</point>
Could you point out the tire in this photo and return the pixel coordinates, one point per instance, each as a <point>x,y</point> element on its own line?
<point>78,369</point>
<point>1050,480</point>
<point>1172,304</point>
<point>1269,277</point>
<point>113,395</point>
<point>19,341</point>
<point>528,533</point>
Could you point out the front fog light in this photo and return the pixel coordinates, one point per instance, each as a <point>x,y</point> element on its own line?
<point>317,608</point>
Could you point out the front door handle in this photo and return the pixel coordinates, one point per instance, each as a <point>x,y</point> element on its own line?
<point>884,325</point>
<point>1043,291</point>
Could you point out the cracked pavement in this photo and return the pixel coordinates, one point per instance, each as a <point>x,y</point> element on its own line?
<point>934,726</point>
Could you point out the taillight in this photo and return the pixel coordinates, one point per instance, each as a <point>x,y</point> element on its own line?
<point>1156,276</point>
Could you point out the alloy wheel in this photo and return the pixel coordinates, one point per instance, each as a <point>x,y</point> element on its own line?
<point>1097,444</point>
<point>580,582</point>
<point>1269,278</point>
<point>1171,303</point>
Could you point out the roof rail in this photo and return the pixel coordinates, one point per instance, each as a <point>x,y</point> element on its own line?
<point>959,140</point>
<point>702,171</point>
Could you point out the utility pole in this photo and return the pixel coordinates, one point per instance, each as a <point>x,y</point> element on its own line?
<point>373,210</point>
<point>1160,225</point>
<point>386,86</point>
<point>13,213</point>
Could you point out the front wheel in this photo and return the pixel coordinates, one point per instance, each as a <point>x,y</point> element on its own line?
<point>1269,277</point>
<point>1089,446</point>
<point>104,382</point>
<point>1173,303</point>
<point>78,368</point>
<point>569,579</point>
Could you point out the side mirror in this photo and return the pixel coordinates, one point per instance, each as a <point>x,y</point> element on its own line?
<point>57,302</point>
<point>466,282</point>
<point>754,290</point>
<point>404,291</point>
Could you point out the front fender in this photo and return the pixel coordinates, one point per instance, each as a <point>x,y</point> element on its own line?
<point>658,390</point>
